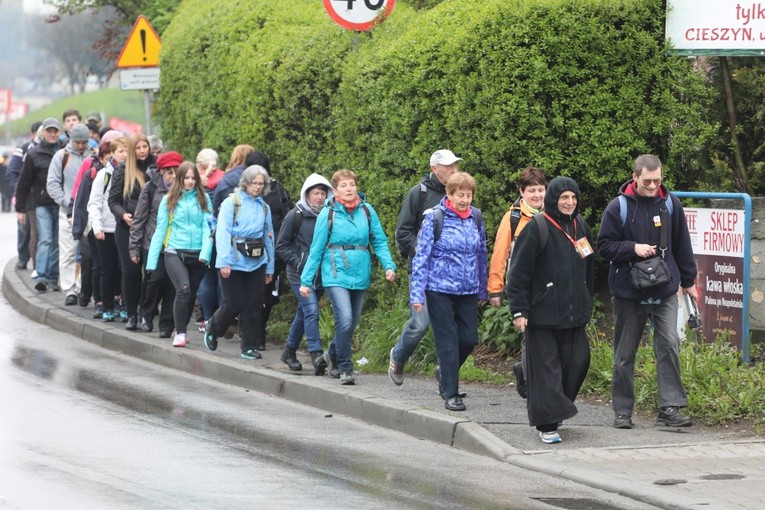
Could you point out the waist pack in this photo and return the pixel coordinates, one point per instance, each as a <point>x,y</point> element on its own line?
<point>650,274</point>
<point>251,247</point>
<point>188,256</point>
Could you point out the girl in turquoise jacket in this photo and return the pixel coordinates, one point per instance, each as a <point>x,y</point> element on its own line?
<point>345,229</point>
<point>184,234</point>
<point>244,240</point>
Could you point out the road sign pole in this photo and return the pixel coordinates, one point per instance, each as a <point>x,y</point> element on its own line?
<point>147,110</point>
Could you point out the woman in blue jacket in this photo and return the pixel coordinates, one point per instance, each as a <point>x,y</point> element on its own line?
<point>244,240</point>
<point>450,273</point>
<point>182,230</point>
<point>345,229</point>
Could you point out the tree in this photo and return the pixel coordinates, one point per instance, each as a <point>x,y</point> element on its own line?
<point>159,12</point>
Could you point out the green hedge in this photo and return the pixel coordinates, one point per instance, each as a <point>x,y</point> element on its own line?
<point>576,87</point>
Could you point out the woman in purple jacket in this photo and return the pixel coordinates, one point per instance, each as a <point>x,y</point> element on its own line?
<point>449,271</point>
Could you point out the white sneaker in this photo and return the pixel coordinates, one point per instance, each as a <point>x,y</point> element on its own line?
<point>550,437</point>
<point>179,340</point>
<point>33,274</point>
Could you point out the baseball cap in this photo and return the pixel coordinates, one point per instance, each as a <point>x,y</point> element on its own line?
<point>50,122</point>
<point>443,157</point>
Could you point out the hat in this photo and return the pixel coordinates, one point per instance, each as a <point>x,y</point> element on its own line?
<point>111,135</point>
<point>93,116</point>
<point>443,157</point>
<point>79,133</point>
<point>50,122</point>
<point>169,159</point>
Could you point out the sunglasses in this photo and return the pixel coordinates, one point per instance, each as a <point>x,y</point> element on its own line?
<point>647,182</point>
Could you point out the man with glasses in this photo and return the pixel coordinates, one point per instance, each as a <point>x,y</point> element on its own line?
<point>630,230</point>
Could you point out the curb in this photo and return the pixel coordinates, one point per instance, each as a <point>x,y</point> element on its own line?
<point>411,420</point>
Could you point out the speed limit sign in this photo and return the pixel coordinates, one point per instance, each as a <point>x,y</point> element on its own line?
<point>358,14</point>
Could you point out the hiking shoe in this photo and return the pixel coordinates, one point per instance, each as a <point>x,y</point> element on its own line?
<point>179,340</point>
<point>550,437</point>
<point>346,379</point>
<point>319,363</point>
<point>671,417</point>
<point>395,370</point>
<point>41,285</point>
<point>108,316</point>
<point>251,354</point>
<point>289,358</point>
<point>334,370</point>
<point>520,381</point>
<point>21,265</point>
<point>70,300</point>
<point>98,311</point>
<point>211,341</point>
<point>623,421</point>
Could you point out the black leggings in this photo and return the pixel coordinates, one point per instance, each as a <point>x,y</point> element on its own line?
<point>242,294</point>
<point>132,276</point>
<point>110,270</point>
<point>185,275</point>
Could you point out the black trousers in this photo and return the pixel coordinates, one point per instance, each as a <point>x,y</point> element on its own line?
<point>132,274</point>
<point>158,288</point>
<point>110,270</point>
<point>243,296</point>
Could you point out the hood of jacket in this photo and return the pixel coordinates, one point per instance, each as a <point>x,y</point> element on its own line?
<point>555,189</point>
<point>311,181</point>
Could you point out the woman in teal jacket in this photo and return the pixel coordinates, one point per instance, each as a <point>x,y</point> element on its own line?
<point>244,240</point>
<point>345,229</point>
<point>184,233</point>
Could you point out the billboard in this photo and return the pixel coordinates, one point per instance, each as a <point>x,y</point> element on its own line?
<point>716,27</point>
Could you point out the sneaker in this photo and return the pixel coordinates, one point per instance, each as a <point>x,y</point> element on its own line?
<point>70,300</point>
<point>520,381</point>
<point>550,437</point>
<point>41,285</point>
<point>83,300</point>
<point>211,341</point>
<point>123,315</point>
<point>21,265</point>
<point>55,287</point>
<point>395,370</point>
<point>346,379</point>
<point>671,417</point>
<point>108,316</point>
<point>334,370</point>
<point>623,421</point>
<point>98,312</point>
<point>179,340</point>
<point>201,326</point>
<point>251,354</point>
<point>33,274</point>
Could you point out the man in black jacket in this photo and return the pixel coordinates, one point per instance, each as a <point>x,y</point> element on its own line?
<point>32,180</point>
<point>630,230</point>
<point>26,237</point>
<point>420,198</point>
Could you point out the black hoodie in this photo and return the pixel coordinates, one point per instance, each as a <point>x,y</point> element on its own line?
<point>553,288</point>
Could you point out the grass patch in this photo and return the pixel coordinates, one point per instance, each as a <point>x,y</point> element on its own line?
<point>113,102</point>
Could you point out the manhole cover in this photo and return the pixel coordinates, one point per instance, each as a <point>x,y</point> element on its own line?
<point>670,481</point>
<point>722,476</point>
<point>578,503</point>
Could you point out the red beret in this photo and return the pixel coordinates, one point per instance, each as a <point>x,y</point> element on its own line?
<point>169,159</point>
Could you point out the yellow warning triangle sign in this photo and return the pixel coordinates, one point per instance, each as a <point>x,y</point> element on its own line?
<point>142,46</point>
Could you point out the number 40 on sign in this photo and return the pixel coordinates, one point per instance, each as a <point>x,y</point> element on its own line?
<point>358,14</point>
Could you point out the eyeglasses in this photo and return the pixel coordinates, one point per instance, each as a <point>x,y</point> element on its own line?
<point>647,182</point>
<point>259,184</point>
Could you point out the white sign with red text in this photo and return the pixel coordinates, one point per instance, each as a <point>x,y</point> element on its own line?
<point>359,14</point>
<point>716,27</point>
<point>716,231</point>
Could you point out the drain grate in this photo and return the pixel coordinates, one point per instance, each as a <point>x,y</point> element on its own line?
<point>722,476</point>
<point>578,503</point>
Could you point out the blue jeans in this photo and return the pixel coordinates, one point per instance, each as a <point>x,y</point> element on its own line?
<point>414,329</point>
<point>454,319</point>
<point>209,293</point>
<point>306,321</point>
<point>346,307</point>
<point>46,262</point>
<point>629,324</point>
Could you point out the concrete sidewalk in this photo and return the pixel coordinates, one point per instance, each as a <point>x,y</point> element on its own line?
<point>669,468</point>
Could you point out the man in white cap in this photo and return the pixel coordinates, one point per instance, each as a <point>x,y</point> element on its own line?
<point>62,173</point>
<point>32,181</point>
<point>420,198</point>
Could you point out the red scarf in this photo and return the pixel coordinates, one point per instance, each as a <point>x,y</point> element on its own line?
<point>350,206</point>
<point>462,214</point>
